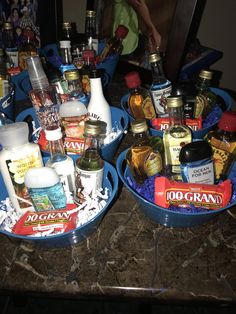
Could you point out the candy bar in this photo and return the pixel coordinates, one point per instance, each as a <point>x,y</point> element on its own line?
<point>57,221</point>
<point>185,194</point>
<point>163,123</point>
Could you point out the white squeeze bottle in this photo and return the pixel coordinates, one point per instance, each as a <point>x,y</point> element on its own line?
<point>16,157</point>
<point>45,189</point>
<point>98,107</point>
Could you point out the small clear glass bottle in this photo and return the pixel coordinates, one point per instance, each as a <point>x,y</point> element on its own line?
<point>223,143</point>
<point>91,30</point>
<point>161,87</point>
<point>175,137</point>
<point>205,99</point>
<point>90,166</point>
<point>74,86</point>
<point>143,158</point>
<point>60,162</point>
<point>139,101</point>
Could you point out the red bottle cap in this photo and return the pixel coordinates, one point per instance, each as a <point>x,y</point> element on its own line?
<point>132,79</point>
<point>228,121</point>
<point>121,31</point>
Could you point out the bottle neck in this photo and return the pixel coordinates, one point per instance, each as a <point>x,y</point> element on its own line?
<point>96,88</point>
<point>141,137</point>
<point>203,84</point>
<point>175,116</point>
<point>56,149</point>
<point>157,71</point>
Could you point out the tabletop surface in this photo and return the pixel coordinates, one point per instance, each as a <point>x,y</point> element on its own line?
<point>129,256</point>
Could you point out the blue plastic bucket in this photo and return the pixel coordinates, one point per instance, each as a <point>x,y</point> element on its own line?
<point>7,103</point>
<point>162,215</point>
<point>196,134</point>
<point>110,181</point>
<point>119,119</point>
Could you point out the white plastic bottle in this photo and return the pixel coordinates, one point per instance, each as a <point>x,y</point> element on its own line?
<point>16,157</point>
<point>73,114</point>
<point>98,107</point>
<point>45,189</point>
<point>62,163</point>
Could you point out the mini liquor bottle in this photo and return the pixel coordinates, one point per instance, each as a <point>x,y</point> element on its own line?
<point>223,143</point>
<point>60,162</point>
<point>75,90</point>
<point>90,166</point>
<point>205,99</point>
<point>175,137</point>
<point>145,156</point>
<point>161,87</point>
<point>140,101</point>
<point>91,30</point>
<point>114,45</point>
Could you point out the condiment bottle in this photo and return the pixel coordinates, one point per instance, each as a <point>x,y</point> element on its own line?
<point>73,115</point>
<point>139,101</point>
<point>16,157</point>
<point>205,99</point>
<point>114,45</point>
<point>90,166</point>
<point>197,163</point>
<point>143,160</point>
<point>223,143</point>
<point>45,189</point>
<point>175,137</point>
<point>161,87</point>
<point>98,107</point>
<point>62,163</point>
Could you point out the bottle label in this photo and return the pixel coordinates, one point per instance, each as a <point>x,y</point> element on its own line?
<point>203,174</point>
<point>159,95</point>
<point>85,83</point>
<point>49,198</point>
<point>73,145</point>
<point>87,183</point>
<point>153,164</point>
<point>17,169</point>
<point>148,108</point>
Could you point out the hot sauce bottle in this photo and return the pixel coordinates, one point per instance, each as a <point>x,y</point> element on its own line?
<point>140,101</point>
<point>223,143</point>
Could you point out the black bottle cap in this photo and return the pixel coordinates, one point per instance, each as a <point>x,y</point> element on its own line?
<point>195,151</point>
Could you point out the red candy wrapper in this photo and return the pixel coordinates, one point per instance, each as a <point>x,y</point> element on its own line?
<point>163,123</point>
<point>32,223</point>
<point>209,196</point>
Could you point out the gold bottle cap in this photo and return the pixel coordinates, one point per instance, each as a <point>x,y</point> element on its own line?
<point>206,74</point>
<point>71,75</point>
<point>90,13</point>
<point>139,125</point>
<point>154,57</point>
<point>7,25</point>
<point>95,127</point>
<point>174,101</point>
<point>66,25</point>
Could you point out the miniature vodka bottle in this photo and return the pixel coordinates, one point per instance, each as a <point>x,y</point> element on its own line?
<point>175,137</point>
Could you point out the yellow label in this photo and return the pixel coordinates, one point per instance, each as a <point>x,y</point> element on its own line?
<point>153,164</point>
<point>220,158</point>
<point>148,108</point>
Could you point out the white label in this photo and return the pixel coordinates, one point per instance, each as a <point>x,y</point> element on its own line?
<point>88,182</point>
<point>159,98</point>
<point>202,174</point>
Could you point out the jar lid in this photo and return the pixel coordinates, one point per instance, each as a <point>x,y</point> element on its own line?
<point>71,75</point>
<point>54,134</point>
<point>139,126</point>
<point>90,13</point>
<point>228,121</point>
<point>14,134</point>
<point>95,127</point>
<point>132,79</point>
<point>7,25</point>
<point>121,31</point>
<point>66,25</point>
<point>174,101</point>
<point>154,57</point>
<point>205,74</point>
<point>195,151</point>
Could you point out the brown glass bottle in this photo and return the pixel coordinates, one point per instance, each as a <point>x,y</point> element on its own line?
<point>142,158</point>
<point>139,101</point>
<point>223,143</point>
